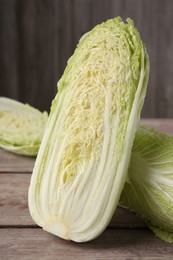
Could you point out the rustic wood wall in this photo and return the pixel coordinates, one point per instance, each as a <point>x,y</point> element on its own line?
<point>38,36</point>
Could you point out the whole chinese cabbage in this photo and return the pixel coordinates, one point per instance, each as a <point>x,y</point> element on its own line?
<point>21,127</point>
<point>149,190</point>
<point>81,166</point>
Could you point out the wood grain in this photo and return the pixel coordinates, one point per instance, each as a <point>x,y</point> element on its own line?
<point>112,244</point>
<point>38,37</point>
<point>14,200</point>
<point>164,125</point>
<point>14,163</point>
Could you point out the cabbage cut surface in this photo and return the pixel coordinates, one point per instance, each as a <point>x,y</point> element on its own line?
<point>21,127</point>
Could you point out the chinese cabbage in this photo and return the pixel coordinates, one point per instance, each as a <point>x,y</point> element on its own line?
<point>21,127</point>
<point>149,189</point>
<point>82,162</point>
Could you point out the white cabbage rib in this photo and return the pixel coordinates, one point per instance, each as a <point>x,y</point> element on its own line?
<point>82,162</point>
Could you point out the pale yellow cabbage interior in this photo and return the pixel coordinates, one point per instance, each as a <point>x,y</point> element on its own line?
<point>97,93</point>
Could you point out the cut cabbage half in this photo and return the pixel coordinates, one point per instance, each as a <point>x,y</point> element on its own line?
<point>83,158</point>
<point>21,127</point>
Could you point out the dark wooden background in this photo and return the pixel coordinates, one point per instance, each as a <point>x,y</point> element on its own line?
<point>38,36</point>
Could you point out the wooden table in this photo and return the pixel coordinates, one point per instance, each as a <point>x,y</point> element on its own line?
<point>125,238</point>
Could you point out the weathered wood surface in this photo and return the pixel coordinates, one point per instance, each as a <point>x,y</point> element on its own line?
<point>20,238</point>
<point>14,200</point>
<point>31,243</point>
<point>14,163</point>
<point>165,125</point>
<point>38,37</point>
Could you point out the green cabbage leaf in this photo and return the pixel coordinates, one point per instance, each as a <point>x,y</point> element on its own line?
<point>149,189</point>
<point>21,127</point>
<point>82,162</point>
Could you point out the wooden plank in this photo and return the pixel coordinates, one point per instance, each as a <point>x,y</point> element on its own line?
<point>14,204</point>
<point>14,163</point>
<point>164,124</point>
<point>112,244</point>
<point>125,218</point>
<point>14,200</point>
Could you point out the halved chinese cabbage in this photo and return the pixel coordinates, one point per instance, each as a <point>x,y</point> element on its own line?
<point>83,158</point>
<point>149,190</point>
<point>21,127</point>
